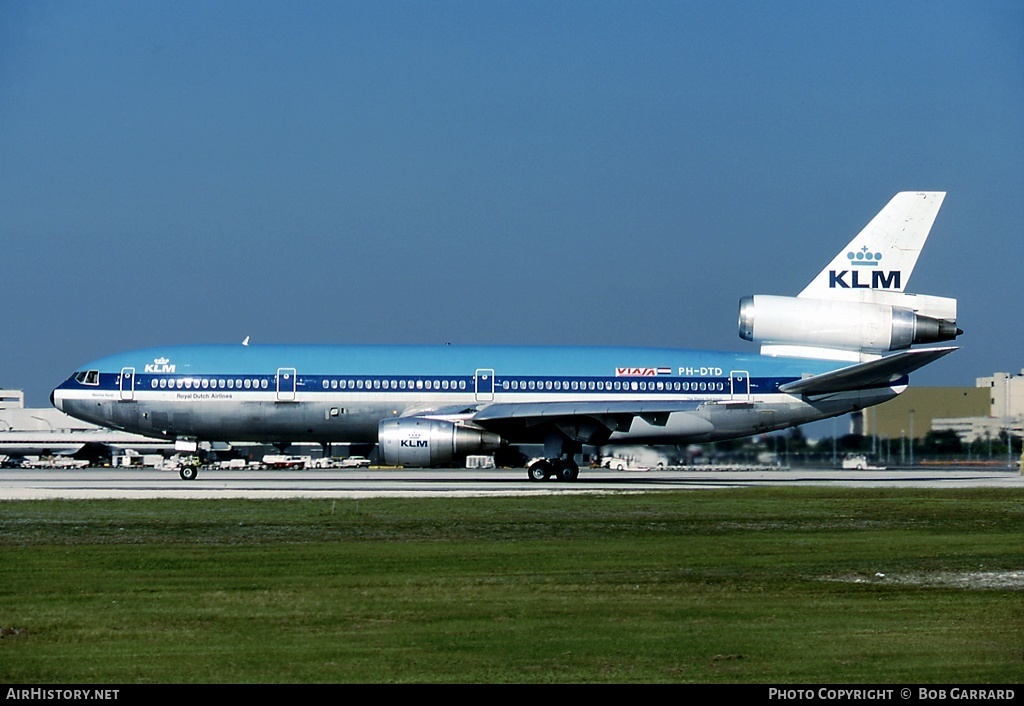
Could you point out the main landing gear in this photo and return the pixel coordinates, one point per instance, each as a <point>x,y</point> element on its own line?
<point>564,469</point>
<point>559,461</point>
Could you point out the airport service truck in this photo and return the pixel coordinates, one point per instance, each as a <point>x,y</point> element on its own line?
<point>282,462</point>
<point>859,462</point>
<point>132,459</point>
<point>617,463</point>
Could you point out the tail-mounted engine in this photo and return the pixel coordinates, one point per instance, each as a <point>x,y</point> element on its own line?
<point>415,441</point>
<point>789,323</point>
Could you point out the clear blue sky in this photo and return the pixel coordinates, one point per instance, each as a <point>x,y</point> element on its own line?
<point>490,172</point>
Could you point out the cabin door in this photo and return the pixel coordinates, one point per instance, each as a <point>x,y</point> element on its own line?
<point>739,384</point>
<point>286,384</point>
<point>484,384</point>
<point>127,384</point>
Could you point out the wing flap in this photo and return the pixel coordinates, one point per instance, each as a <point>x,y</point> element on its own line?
<point>874,373</point>
<point>596,422</point>
<point>548,410</point>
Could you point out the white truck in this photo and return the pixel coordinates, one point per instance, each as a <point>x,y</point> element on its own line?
<point>354,462</point>
<point>283,462</point>
<point>617,463</point>
<point>350,462</point>
<point>133,459</point>
<point>859,462</point>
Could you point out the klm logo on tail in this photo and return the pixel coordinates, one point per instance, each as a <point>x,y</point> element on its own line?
<point>879,280</point>
<point>864,258</point>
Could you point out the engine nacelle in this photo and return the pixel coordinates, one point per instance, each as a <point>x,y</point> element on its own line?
<point>414,441</point>
<point>844,325</point>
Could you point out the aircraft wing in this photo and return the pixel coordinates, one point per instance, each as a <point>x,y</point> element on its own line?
<point>548,410</point>
<point>594,422</point>
<point>874,373</point>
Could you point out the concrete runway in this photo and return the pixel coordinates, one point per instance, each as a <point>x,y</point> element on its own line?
<point>92,483</point>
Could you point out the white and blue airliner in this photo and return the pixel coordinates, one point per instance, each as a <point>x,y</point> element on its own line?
<point>843,344</point>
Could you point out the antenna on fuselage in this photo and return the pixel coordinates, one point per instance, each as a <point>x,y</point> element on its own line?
<point>245,342</point>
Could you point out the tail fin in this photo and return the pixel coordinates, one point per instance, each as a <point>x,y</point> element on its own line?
<point>856,308</point>
<point>882,256</point>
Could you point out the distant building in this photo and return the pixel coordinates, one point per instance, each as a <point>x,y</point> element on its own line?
<point>992,406</point>
<point>1005,393</point>
<point>14,416</point>
<point>12,399</point>
<point>911,414</point>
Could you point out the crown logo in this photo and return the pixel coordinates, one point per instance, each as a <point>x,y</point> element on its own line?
<point>162,361</point>
<point>864,257</point>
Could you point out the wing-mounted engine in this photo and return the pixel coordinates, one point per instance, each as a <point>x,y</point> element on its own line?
<point>856,308</point>
<point>798,326</point>
<point>416,441</point>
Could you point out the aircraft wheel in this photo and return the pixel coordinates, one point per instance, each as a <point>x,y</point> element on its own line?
<point>567,471</point>
<point>541,470</point>
<point>188,472</point>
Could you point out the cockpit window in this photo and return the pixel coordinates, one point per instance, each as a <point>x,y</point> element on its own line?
<point>90,377</point>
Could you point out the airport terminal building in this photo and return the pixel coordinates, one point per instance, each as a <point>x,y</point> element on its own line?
<point>14,417</point>
<point>45,431</point>
<point>994,405</point>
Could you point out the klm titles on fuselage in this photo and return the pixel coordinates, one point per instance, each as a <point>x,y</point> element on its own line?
<point>159,365</point>
<point>879,279</point>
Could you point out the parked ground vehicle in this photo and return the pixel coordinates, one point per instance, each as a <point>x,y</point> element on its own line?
<point>617,463</point>
<point>53,462</point>
<point>859,462</point>
<point>133,459</point>
<point>282,462</point>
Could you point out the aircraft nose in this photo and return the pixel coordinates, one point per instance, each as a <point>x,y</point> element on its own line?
<point>56,401</point>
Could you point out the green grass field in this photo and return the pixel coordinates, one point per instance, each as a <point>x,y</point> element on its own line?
<point>759,585</point>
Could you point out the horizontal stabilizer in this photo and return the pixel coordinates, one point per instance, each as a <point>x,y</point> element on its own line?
<point>874,373</point>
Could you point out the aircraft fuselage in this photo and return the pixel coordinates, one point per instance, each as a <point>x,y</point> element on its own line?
<point>342,393</point>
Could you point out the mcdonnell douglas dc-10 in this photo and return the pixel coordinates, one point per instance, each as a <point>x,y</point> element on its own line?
<point>844,343</point>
